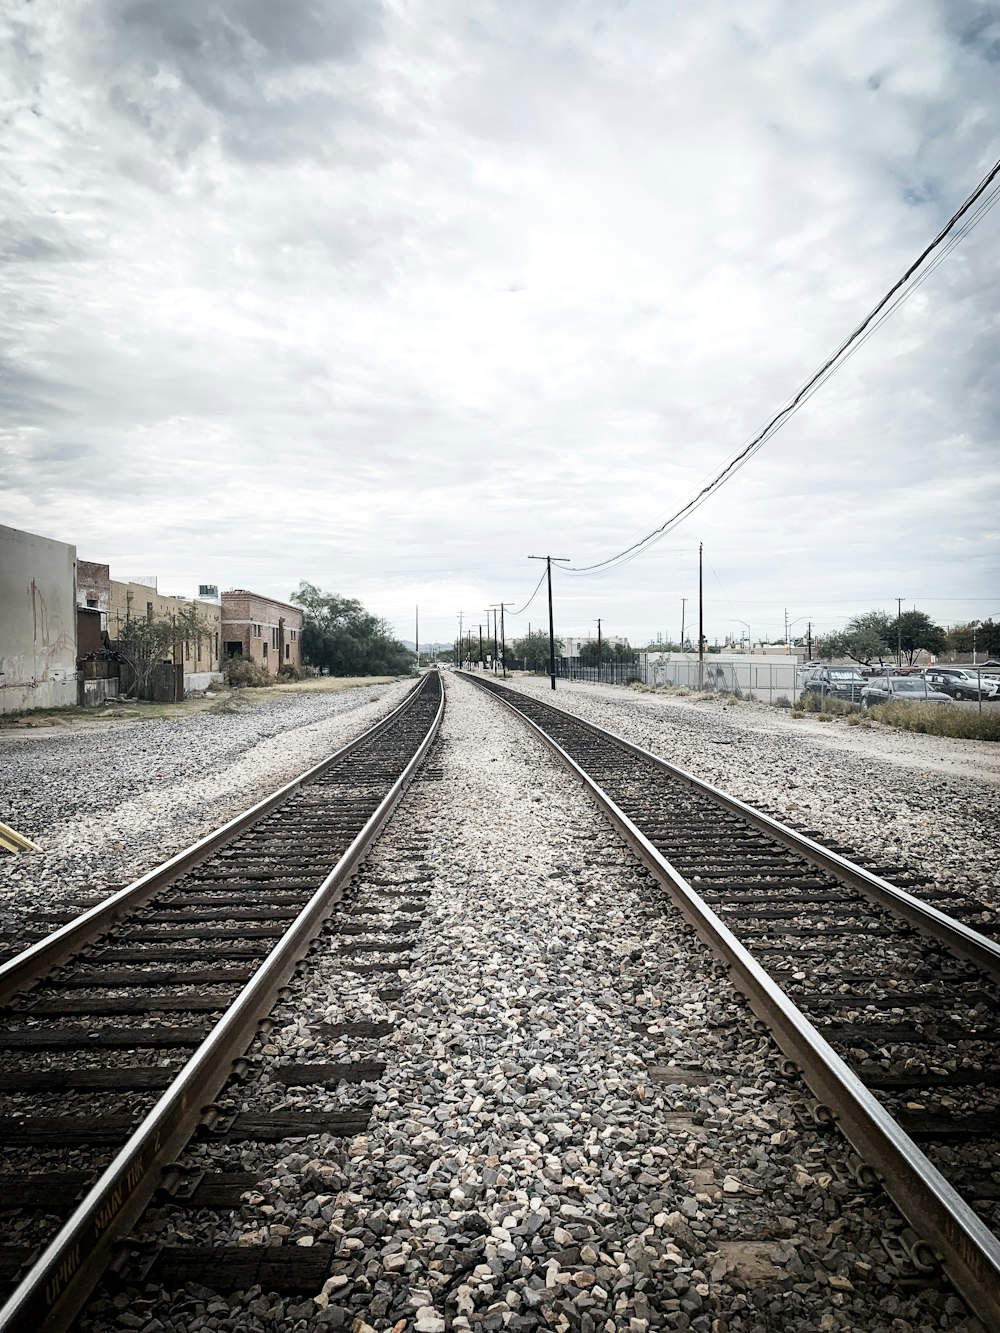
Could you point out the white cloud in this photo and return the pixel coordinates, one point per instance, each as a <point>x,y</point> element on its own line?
<point>390,298</point>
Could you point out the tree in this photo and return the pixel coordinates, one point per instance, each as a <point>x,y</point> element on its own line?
<point>863,638</point>
<point>988,637</point>
<point>961,638</point>
<point>339,634</point>
<point>917,631</point>
<point>145,643</point>
<point>533,650</point>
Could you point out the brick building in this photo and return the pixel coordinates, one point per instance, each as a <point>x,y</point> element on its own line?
<point>261,629</point>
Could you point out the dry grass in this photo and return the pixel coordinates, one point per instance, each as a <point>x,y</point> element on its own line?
<point>940,720</point>
<point>218,701</point>
<point>325,684</point>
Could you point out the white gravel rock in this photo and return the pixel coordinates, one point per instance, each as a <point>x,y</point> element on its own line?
<point>579,1126</point>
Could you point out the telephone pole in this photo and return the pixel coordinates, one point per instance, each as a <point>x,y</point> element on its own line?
<point>559,559</point>
<point>458,655</point>
<point>503,641</point>
<point>417,635</point>
<point>482,659</point>
<point>809,641</point>
<point>598,650</point>
<point>683,606</point>
<point>899,631</point>
<point>701,624</point>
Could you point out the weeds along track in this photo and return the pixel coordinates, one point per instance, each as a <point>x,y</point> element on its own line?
<point>121,1027</point>
<point>886,1006</point>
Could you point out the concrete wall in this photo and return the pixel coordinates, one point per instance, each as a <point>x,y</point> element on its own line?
<point>37,622</point>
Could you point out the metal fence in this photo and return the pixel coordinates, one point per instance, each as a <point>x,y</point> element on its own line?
<point>740,677</point>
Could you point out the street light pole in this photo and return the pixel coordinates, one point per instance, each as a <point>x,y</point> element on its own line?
<point>559,559</point>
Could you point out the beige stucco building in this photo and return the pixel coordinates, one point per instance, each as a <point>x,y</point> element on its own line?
<point>200,653</point>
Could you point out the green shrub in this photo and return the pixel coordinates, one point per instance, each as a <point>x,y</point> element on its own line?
<point>782,701</point>
<point>241,673</point>
<point>797,712</point>
<point>814,702</point>
<point>291,673</point>
<point>940,720</point>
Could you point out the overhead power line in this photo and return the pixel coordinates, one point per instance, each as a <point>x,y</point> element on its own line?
<point>947,239</point>
<point>521,610</point>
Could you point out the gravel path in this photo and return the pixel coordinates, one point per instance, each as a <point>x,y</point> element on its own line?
<point>579,1126</point>
<point>930,802</point>
<point>107,805</point>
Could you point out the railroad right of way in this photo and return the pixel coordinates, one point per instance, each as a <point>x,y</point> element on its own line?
<point>578,1123</point>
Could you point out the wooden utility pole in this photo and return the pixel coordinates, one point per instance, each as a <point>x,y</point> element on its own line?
<point>899,631</point>
<point>683,608</point>
<point>598,650</point>
<point>701,624</point>
<point>559,559</point>
<point>416,634</point>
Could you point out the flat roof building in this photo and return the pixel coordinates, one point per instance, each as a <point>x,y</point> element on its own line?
<point>261,629</point>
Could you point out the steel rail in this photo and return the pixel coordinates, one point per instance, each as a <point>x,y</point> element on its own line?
<point>61,1279</point>
<point>967,1250</point>
<point>34,963</point>
<point>960,939</point>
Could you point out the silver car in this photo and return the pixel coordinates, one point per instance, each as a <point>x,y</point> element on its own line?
<point>900,689</point>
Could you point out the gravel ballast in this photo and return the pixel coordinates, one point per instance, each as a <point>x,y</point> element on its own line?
<point>931,802</point>
<point>579,1125</point>
<point>107,803</point>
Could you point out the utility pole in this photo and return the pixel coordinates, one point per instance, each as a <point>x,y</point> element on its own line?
<point>899,631</point>
<point>499,606</point>
<point>786,626</point>
<point>559,559</point>
<point>701,624</point>
<point>598,650</point>
<point>417,635</point>
<point>458,654</point>
<point>809,641</point>
<point>683,606</point>
<point>482,659</point>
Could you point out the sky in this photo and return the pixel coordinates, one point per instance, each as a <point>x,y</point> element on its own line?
<point>391,296</point>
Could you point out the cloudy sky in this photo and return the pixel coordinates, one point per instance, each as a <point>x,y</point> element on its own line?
<point>390,296</point>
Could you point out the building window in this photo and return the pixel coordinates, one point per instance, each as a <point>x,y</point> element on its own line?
<point>263,647</point>
<point>288,651</point>
<point>274,638</point>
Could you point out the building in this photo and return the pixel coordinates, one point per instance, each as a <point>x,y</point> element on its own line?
<point>37,622</point>
<point>262,630</point>
<point>573,643</point>
<point>197,645</point>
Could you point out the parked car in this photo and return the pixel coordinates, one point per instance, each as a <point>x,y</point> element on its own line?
<point>838,682</point>
<point>962,684</point>
<point>900,689</point>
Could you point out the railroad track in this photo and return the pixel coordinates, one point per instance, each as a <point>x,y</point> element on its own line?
<point>886,1006</point>
<point>145,1005</point>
